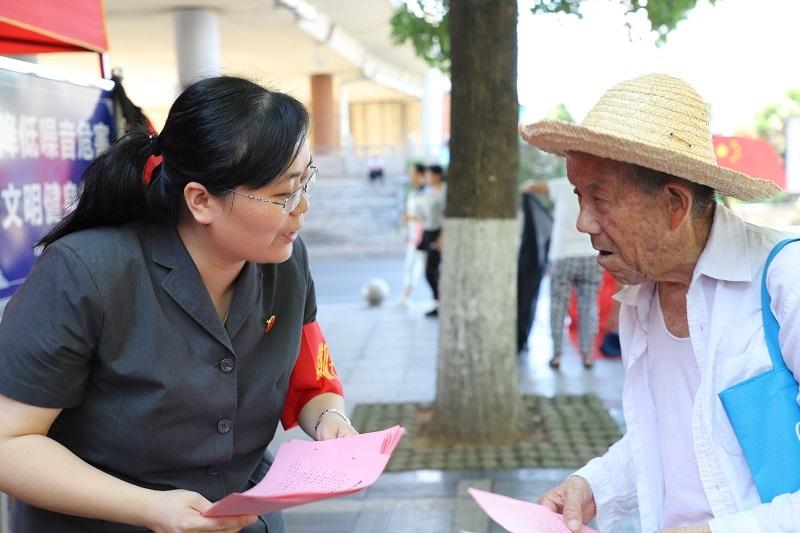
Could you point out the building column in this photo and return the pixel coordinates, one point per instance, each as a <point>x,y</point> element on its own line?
<point>345,138</point>
<point>432,115</point>
<point>323,120</point>
<point>196,44</point>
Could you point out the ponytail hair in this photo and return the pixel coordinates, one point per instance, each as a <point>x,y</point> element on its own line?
<point>112,190</point>
<point>221,132</point>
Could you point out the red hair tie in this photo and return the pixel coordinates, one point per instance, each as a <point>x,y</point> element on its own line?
<point>153,161</point>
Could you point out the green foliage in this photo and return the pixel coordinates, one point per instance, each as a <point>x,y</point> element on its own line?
<point>770,122</point>
<point>560,112</point>
<point>538,165</point>
<point>663,15</point>
<point>424,23</point>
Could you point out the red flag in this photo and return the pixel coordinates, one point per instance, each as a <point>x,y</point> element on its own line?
<point>754,157</point>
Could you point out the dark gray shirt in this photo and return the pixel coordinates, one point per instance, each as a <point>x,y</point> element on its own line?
<point>433,207</point>
<point>115,326</point>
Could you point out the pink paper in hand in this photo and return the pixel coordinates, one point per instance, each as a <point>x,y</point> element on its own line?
<point>306,471</point>
<point>383,442</point>
<point>301,472</point>
<point>519,516</point>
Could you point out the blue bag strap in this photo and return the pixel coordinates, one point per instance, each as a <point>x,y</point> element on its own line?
<point>771,326</point>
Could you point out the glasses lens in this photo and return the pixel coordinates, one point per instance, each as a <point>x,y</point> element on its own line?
<point>292,202</point>
<point>312,179</point>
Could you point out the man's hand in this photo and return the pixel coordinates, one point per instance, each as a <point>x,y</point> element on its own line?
<point>574,499</point>
<point>687,529</point>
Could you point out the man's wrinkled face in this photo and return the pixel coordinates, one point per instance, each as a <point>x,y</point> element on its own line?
<point>622,222</point>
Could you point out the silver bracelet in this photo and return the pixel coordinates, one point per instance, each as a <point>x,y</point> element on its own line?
<point>334,411</point>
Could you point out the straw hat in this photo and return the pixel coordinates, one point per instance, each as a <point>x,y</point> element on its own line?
<point>654,121</point>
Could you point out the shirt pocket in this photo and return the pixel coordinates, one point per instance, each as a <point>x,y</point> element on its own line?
<point>742,355</point>
<point>727,437</point>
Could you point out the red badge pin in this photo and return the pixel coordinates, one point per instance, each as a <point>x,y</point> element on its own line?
<point>270,323</point>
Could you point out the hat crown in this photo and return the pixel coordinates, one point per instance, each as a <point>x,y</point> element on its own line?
<point>658,110</point>
<point>655,121</point>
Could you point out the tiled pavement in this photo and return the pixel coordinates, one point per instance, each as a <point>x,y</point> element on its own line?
<point>388,354</point>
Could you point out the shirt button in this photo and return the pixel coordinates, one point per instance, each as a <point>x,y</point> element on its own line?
<point>212,470</point>
<point>224,425</point>
<point>227,365</point>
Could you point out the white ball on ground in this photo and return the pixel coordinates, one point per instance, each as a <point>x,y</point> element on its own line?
<point>375,291</point>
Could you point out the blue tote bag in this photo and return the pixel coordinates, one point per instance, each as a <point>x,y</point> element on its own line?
<point>764,414</point>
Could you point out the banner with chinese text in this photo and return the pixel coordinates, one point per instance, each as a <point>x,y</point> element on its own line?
<point>50,130</point>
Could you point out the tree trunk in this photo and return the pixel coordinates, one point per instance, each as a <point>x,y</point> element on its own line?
<point>477,394</point>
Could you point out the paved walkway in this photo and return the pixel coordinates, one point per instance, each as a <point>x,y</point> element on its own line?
<point>387,354</point>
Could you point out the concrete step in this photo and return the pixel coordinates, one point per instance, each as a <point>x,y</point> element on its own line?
<point>350,216</point>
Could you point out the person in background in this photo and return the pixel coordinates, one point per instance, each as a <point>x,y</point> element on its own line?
<point>537,223</point>
<point>375,168</point>
<point>644,170</point>
<point>412,216</point>
<point>432,220</point>
<point>572,265</point>
<point>168,325</point>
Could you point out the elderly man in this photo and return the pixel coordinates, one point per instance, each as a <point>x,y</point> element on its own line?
<point>643,167</point>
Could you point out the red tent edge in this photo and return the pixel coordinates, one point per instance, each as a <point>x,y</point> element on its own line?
<point>74,25</point>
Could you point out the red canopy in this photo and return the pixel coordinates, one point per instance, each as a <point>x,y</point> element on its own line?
<point>754,157</point>
<point>36,26</point>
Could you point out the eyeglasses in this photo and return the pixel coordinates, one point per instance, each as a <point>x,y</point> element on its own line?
<point>291,202</point>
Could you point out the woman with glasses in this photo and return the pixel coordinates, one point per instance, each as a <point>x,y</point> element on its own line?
<point>168,326</point>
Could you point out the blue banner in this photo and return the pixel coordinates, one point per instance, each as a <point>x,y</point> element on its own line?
<point>50,130</point>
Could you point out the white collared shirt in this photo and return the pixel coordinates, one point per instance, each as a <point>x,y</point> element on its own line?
<point>723,306</point>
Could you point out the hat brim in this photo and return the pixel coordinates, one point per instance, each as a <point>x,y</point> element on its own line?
<point>560,137</point>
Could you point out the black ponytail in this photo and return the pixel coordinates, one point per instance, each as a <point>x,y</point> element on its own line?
<point>221,132</point>
<point>112,190</point>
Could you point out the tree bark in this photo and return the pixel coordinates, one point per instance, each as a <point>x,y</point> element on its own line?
<point>477,394</point>
<point>484,153</point>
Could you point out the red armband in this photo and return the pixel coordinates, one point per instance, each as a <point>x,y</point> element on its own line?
<point>313,374</point>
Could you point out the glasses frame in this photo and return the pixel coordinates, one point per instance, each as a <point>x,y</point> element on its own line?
<point>292,200</point>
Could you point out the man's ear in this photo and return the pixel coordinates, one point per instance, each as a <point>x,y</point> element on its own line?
<point>679,203</point>
<point>199,202</point>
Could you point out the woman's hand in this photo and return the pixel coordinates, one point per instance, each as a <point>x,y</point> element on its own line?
<point>333,426</point>
<point>181,511</point>
<point>323,417</point>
